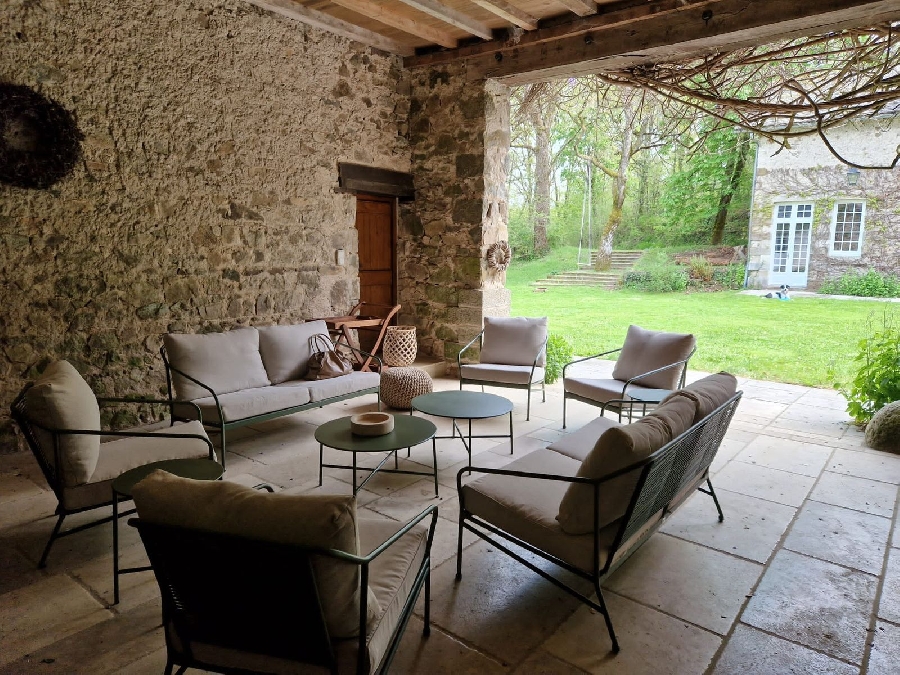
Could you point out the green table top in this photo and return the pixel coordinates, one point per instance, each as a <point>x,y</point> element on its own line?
<point>198,469</point>
<point>648,395</point>
<point>408,431</point>
<point>464,405</point>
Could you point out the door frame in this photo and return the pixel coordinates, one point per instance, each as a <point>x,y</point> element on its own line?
<point>394,212</point>
<point>799,279</point>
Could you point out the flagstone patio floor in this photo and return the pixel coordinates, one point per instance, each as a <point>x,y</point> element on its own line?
<point>803,576</point>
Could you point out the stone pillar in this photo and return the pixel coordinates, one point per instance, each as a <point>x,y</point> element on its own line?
<point>459,138</point>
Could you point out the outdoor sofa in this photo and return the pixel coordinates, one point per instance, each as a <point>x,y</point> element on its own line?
<point>590,499</point>
<point>250,375</point>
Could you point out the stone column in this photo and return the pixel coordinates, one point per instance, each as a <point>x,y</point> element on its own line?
<point>459,138</point>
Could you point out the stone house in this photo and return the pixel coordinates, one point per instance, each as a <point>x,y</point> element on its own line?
<point>211,188</point>
<point>813,218</point>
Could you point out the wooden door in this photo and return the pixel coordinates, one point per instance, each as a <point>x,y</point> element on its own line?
<point>377,245</point>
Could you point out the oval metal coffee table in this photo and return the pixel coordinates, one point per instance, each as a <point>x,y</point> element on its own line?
<point>408,431</point>
<point>466,405</point>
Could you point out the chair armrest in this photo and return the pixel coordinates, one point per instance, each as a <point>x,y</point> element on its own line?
<point>465,347</point>
<point>683,362</point>
<point>588,358</point>
<point>109,399</point>
<point>364,560</point>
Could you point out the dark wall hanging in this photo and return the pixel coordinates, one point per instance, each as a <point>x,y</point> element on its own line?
<point>39,140</point>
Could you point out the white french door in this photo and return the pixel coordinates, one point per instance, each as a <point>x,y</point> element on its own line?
<point>791,236</point>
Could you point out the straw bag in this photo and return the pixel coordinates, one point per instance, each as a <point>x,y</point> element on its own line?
<point>325,362</point>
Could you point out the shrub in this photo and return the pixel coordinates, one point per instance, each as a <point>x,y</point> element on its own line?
<point>872,284</point>
<point>730,276</point>
<point>700,268</point>
<point>559,353</point>
<point>877,380</point>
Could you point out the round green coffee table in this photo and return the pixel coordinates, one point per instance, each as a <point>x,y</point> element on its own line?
<point>198,469</point>
<point>408,431</point>
<point>466,405</point>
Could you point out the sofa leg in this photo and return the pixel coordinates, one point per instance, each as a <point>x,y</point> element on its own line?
<point>459,550</point>
<point>712,493</point>
<point>426,631</point>
<point>609,626</point>
<point>564,409</point>
<point>543,392</point>
<point>528,406</point>
<point>53,535</point>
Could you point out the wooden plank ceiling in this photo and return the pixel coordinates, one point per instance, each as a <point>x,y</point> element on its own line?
<point>526,40</point>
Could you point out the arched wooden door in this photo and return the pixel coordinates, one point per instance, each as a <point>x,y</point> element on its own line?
<point>377,237</point>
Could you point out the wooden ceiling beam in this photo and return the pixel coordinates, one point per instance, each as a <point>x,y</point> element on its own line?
<point>511,13</point>
<point>383,14</point>
<point>451,16</point>
<point>316,19</point>
<point>580,7</point>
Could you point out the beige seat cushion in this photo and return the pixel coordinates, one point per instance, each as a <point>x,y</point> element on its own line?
<point>489,372</point>
<point>319,390</point>
<point>646,350</point>
<point>514,341</point>
<point>240,405</point>
<point>579,444</point>
<point>225,362</point>
<point>315,521</point>
<point>526,507</point>
<point>616,449</point>
<point>285,350</point>
<point>601,390</point>
<point>61,399</point>
<point>123,453</point>
<point>708,393</point>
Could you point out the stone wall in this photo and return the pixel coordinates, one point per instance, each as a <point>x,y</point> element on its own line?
<point>808,172</point>
<point>459,137</point>
<point>207,196</point>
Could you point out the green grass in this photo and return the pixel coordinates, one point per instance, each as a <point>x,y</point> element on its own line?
<point>796,341</point>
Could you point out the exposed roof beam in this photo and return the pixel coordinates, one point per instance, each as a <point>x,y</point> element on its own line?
<point>385,15</point>
<point>580,7</point>
<point>326,22</point>
<point>451,16</point>
<point>511,13</point>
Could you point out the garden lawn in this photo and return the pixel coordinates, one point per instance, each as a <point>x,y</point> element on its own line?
<point>796,341</point>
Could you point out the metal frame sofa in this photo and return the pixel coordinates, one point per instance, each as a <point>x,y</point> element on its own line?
<point>250,375</point>
<point>589,500</point>
<point>253,582</point>
<point>513,354</point>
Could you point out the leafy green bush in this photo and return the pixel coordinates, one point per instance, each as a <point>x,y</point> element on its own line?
<point>730,276</point>
<point>700,268</point>
<point>872,284</point>
<point>656,273</point>
<point>877,379</point>
<point>559,353</point>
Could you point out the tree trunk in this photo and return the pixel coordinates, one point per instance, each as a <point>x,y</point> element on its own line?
<point>542,180</point>
<point>718,233</point>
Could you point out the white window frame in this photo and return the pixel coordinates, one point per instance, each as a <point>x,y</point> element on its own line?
<point>833,230</point>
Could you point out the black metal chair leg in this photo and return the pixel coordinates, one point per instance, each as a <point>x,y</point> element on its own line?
<point>222,429</point>
<point>544,392</point>
<point>459,550</point>
<point>564,409</point>
<point>53,535</point>
<point>712,494</point>
<point>168,670</point>
<point>426,631</point>
<point>609,626</point>
<point>528,406</point>
<point>182,670</point>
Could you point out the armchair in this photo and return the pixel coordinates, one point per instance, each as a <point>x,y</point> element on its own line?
<point>649,366</point>
<point>344,588</point>
<point>513,354</point>
<point>59,417</point>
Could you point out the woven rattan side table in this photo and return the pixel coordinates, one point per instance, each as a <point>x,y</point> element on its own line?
<point>399,386</point>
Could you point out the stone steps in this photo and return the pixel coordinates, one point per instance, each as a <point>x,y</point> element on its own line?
<point>622,261</point>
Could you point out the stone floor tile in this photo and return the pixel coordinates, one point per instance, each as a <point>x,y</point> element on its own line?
<point>765,391</point>
<point>45,612</point>
<point>764,483</point>
<point>752,652</point>
<point>542,663</point>
<point>693,583</point>
<point>134,589</point>
<point>824,398</point>
<point>23,464</point>
<point>440,654</point>
<point>407,502</point>
<point>727,451</point>
<point>815,603</point>
<point>792,456</point>
<point>332,486</point>
<point>499,606</point>
<point>842,536</point>
<point>874,466</point>
<point>26,509</point>
<point>759,408</point>
<point>651,642</point>
<point>522,446</point>
<point>17,486</point>
<point>446,536</point>
<point>813,427</point>
<point>889,605</point>
<point>752,527</point>
<point>860,494</point>
<point>885,654</point>
<point>16,571</point>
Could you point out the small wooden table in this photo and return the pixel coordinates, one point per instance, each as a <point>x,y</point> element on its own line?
<point>342,325</point>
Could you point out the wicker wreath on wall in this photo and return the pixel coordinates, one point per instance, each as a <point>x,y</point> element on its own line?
<point>499,255</point>
<point>39,139</point>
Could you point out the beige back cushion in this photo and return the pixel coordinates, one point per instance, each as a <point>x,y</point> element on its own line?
<point>225,362</point>
<point>708,393</point>
<point>319,521</point>
<point>285,349</point>
<point>61,399</point>
<point>646,350</point>
<point>617,448</point>
<point>514,341</point>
